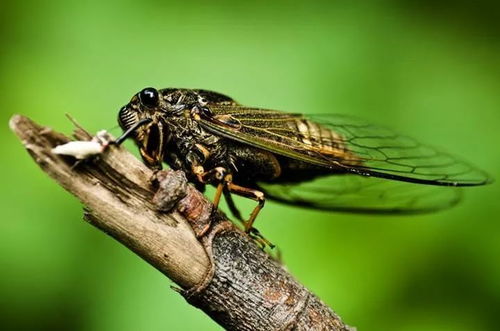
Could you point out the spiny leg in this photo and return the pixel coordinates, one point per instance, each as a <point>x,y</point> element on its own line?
<point>251,194</point>
<point>226,186</point>
<point>217,174</point>
<point>259,197</point>
<point>254,233</point>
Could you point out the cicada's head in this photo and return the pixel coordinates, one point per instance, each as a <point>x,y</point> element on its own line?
<point>141,118</point>
<point>143,105</point>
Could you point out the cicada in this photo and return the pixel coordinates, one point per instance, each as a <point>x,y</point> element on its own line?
<point>330,162</point>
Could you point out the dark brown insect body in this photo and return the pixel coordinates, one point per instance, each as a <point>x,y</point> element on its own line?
<point>177,137</point>
<point>327,162</point>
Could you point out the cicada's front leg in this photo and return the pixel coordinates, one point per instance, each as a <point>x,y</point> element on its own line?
<point>151,162</point>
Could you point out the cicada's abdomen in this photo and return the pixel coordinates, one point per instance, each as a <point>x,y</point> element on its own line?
<point>323,140</point>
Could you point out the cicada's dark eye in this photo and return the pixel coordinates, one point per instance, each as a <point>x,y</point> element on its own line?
<point>127,118</point>
<point>149,97</point>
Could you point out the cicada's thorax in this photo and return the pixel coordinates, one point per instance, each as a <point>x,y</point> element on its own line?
<point>188,144</point>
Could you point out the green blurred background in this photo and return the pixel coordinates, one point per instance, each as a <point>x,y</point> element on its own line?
<point>430,70</point>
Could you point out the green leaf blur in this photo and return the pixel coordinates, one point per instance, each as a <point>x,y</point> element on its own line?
<point>430,70</point>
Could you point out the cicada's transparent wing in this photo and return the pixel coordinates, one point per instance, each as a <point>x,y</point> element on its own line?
<point>343,143</point>
<point>356,194</point>
<point>385,154</point>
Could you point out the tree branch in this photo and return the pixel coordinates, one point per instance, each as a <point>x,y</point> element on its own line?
<point>172,226</point>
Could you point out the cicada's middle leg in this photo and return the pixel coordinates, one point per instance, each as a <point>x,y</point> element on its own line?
<point>218,175</point>
<point>260,198</point>
<point>226,186</point>
<point>251,194</point>
<point>232,206</point>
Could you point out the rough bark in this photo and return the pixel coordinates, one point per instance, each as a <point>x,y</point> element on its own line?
<point>171,225</point>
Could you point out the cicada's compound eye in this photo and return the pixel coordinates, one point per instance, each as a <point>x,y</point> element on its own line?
<point>127,117</point>
<point>149,97</point>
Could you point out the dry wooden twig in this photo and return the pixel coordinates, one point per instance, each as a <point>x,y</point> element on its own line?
<point>172,226</point>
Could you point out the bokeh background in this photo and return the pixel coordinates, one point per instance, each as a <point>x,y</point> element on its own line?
<point>430,69</point>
